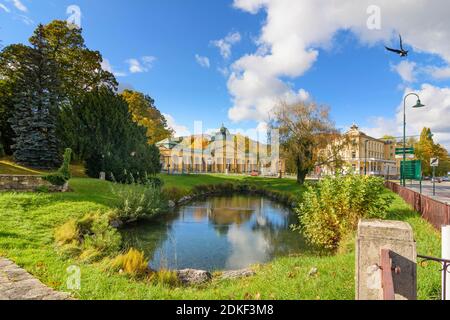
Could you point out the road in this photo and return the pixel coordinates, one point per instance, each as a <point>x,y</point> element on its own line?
<point>442,190</point>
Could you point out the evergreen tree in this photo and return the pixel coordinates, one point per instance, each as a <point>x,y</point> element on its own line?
<point>99,129</point>
<point>35,105</point>
<point>6,108</point>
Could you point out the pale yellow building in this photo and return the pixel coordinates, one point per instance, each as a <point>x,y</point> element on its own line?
<point>363,154</point>
<point>221,152</point>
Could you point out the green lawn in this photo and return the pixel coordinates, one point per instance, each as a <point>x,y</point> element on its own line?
<point>27,222</point>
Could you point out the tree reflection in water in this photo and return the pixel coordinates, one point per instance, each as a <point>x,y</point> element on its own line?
<point>220,233</point>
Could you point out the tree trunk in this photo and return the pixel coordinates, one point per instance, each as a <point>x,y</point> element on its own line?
<point>301,176</point>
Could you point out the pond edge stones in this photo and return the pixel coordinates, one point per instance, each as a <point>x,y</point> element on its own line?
<point>198,277</point>
<point>193,277</point>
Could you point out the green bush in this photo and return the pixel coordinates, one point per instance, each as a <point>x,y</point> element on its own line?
<point>137,202</point>
<point>65,167</point>
<point>63,175</point>
<point>151,181</point>
<point>330,210</point>
<point>90,238</point>
<point>55,179</point>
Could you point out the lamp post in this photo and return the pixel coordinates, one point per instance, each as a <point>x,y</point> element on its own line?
<point>418,105</point>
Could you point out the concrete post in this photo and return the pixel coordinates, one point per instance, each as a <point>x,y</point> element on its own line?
<point>373,235</point>
<point>446,255</point>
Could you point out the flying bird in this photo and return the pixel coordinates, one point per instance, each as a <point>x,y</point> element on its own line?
<point>402,52</point>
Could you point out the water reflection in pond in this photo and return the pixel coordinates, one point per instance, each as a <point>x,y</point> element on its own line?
<point>220,233</point>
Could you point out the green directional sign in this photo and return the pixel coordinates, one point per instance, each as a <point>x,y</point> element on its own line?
<point>399,151</point>
<point>411,169</point>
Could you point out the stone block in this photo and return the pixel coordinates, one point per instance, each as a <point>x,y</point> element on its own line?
<point>373,235</point>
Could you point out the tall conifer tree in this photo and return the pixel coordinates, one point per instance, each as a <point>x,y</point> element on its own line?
<point>35,100</point>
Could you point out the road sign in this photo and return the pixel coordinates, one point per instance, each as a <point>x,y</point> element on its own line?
<point>408,156</point>
<point>407,151</point>
<point>434,162</point>
<point>411,169</point>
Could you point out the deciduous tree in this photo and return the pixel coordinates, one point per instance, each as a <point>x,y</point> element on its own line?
<point>305,129</point>
<point>145,113</point>
<point>426,148</point>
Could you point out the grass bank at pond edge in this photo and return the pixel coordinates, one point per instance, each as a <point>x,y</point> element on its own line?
<point>28,222</point>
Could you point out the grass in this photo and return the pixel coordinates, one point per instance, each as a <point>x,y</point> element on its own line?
<point>27,229</point>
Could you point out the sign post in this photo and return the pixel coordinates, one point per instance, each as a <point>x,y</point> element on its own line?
<point>434,162</point>
<point>403,153</point>
<point>411,170</point>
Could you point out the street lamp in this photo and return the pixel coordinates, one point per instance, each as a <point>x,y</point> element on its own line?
<point>417,106</point>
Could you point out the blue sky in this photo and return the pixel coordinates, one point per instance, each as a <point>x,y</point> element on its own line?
<point>167,50</point>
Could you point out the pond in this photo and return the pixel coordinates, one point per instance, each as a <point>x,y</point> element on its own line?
<point>218,233</point>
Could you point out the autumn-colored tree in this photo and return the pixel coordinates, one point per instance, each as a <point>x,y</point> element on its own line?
<point>144,112</point>
<point>426,148</point>
<point>306,129</point>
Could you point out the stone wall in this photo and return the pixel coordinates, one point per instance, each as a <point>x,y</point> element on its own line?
<point>27,183</point>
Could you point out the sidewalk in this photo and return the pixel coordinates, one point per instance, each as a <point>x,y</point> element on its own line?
<point>442,190</point>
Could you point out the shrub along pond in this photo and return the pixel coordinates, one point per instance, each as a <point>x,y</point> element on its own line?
<point>218,233</point>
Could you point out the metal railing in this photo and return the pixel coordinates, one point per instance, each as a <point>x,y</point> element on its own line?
<point>435,212</point>
<point>387,281</point>
<point>445,269</point>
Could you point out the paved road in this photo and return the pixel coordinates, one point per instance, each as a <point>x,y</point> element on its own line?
<point>17,284</point>
<point>442,190</point>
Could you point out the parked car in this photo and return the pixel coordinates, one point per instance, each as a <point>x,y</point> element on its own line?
<point>437,179</point>
<point>445,179</point>
<point>255,173</point>
<point>426,178</point>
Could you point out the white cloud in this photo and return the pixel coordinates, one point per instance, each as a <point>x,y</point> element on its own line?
<point>5,8</point>
<point>202,61</point>
<point>19,5</point>
<point>28,21</point>
<point>406,70</point>
<point>294,31</point>
<point>141,65</point>
<point>435,116</point>
<point>180,130</point>
<point>226,43</point>
<point>380,126</point>
<point>224,71</point>
<point>439,73</point>
<point>106,65</point>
